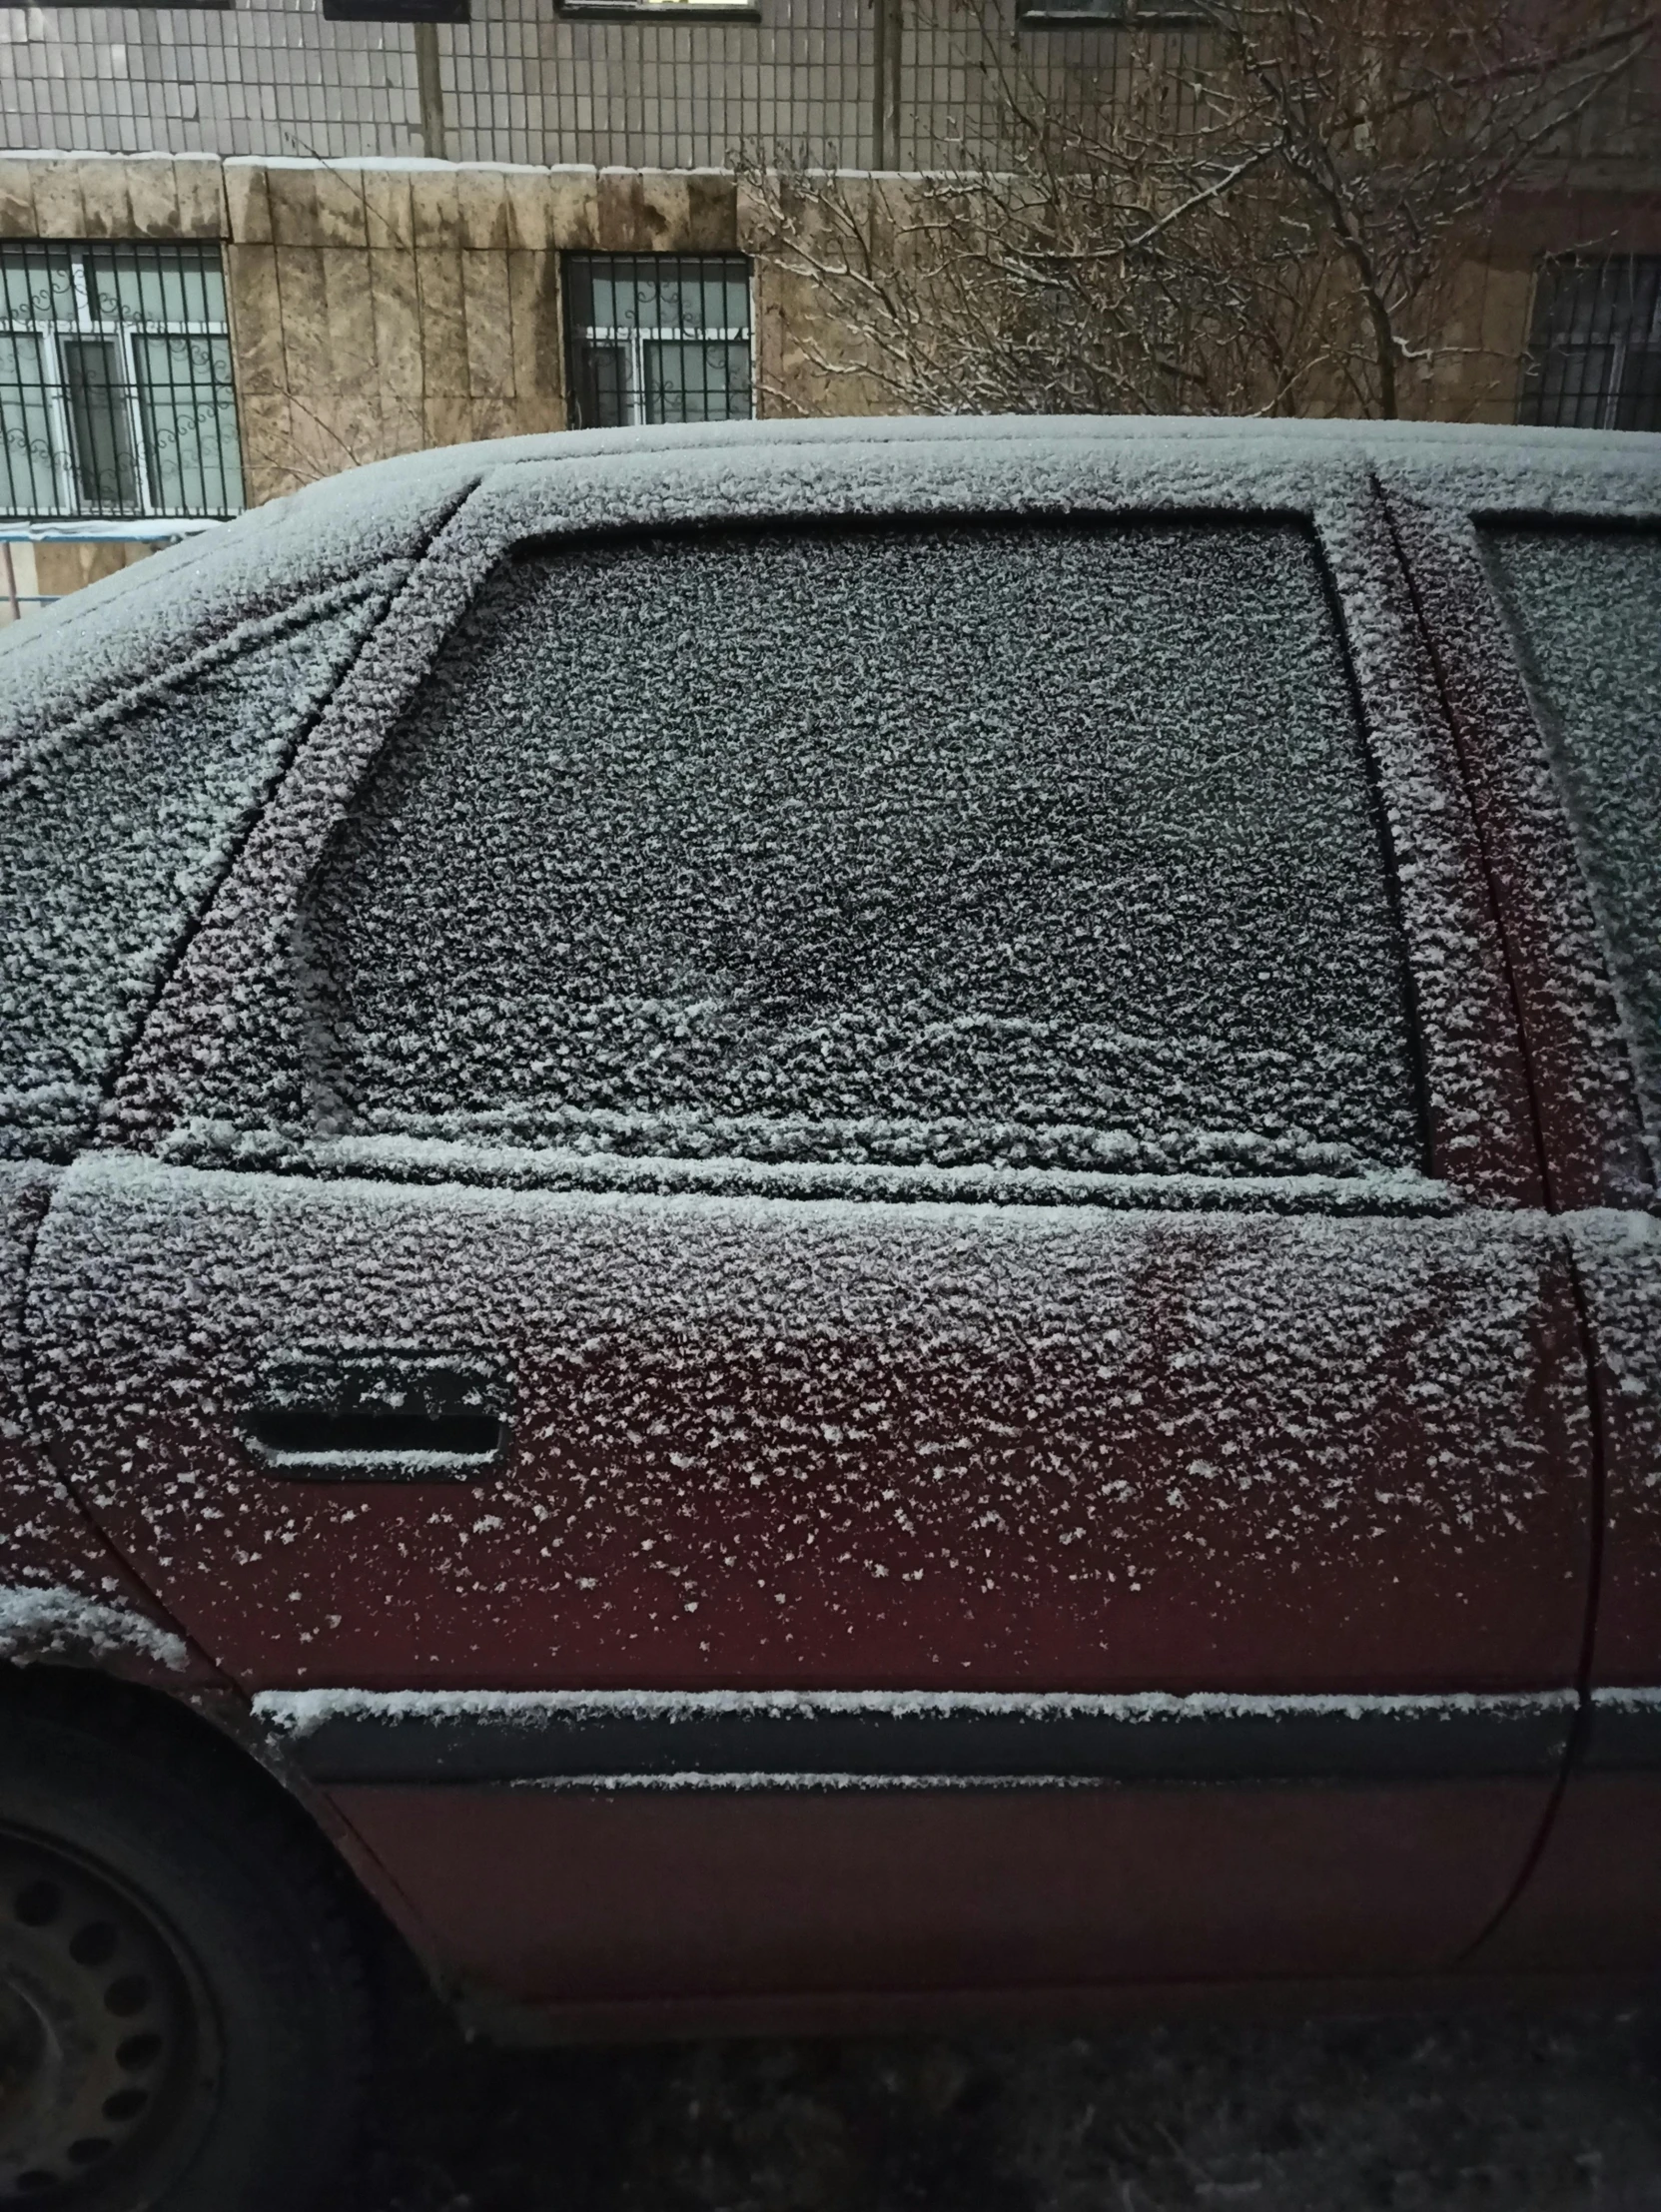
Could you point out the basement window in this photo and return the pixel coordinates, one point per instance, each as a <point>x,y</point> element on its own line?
<point>658,337</point>
<point>116,393</point>
<point>1594,349</point>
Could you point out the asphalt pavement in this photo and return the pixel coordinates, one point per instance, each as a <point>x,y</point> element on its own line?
<point>1489,2113</point>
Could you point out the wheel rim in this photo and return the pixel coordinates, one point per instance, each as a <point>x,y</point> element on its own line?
<point>105,2035</point>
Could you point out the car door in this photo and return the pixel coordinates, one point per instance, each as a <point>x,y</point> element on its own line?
<point>1543,593</point>
<point>828,1273</point>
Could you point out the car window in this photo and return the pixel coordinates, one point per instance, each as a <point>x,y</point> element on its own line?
<point>1585,607</point>
<point>111,833</point>
<point>1037,845</point>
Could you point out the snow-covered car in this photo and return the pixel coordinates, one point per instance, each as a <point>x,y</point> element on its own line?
<point>823,1225</point>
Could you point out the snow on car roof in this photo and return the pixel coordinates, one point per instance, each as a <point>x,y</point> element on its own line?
<point>137,624</point>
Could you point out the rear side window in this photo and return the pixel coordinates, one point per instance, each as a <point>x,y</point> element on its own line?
<point>112,834</point>
<point>1042,845</point>
<point>1586,607</point>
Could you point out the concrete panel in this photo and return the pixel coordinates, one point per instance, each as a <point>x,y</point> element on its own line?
<point>390,223</point>
<point>482,209</point>
<point>664,214</point>
<point>255,304</point>
<point>269,466</point>
<point>200,189</point>
<point>17,200</point>
<point>434,209</point>
<point>488,325</point>
<point>349,321</point>
<point>443,320</point>
<point>341,216</point>
<point>538,360</point>
<point>711,214</point>
<point>247,205</point>
<point>529,212</point>
<point>621,222</point>
<point>446,420</point>
<point>293,194</point>
<point>305,313</point>
<point>60,211</point>
<point>152,200</point>
<point>573,210</point>
<point>395,296</point>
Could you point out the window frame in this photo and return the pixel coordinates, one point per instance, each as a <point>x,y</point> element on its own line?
<point>1590,1116</point>
<point>55,333</point>
<point>1481,1137</point>
<point>958,544</point>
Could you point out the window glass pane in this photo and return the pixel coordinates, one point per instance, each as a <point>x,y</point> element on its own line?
<point>189,413</point>
<point>31,448</point>
<point>108,842</point>
<point>1586,607</point>
<point>1011,846</point>
<point>36,284</point>
<point>1638,406</point>
<point>611,306</point>
<point>689,381</point>
<point>133,287</point>
<point>100,432</point>
<point>602,388</point>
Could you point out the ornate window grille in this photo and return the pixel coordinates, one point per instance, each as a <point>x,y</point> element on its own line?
<point>116,393</point>
<point>1594,352</point>
<point>658,337</point>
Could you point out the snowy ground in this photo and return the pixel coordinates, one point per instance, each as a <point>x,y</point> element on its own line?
<point>1503,2114</point>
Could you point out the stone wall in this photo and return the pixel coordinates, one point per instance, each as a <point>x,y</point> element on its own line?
<point>379,307</point>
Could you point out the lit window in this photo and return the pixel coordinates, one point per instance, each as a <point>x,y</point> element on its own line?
<point>658,337</point>
<point>1594,352</point>
<point>116,396</point>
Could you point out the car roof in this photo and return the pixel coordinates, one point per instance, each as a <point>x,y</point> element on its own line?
<point>133,627</point>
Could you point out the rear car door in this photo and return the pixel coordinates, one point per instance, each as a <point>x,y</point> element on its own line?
<point>828,1271</point>
<point>1542,590</point>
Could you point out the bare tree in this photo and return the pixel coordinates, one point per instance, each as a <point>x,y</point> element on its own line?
<point>1266,215</point>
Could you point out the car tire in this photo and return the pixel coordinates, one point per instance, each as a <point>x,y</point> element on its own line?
<point>184,2025</point>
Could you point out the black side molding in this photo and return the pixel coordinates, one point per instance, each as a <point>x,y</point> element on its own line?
<point>1623,1734</point>
<point>406,1737</point>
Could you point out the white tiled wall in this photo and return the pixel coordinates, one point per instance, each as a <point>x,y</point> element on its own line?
<point>521,82</point>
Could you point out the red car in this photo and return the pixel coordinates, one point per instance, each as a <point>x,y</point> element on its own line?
<point>822,1225</point>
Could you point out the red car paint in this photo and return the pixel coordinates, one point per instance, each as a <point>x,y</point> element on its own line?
<point>763,1446</point>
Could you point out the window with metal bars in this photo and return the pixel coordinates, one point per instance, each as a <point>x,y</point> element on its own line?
<point>116,396</point>
<point>1594,348</point>
<point>658,337</point>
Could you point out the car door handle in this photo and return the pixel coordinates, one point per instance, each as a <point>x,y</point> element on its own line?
<point>378,1416</point>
